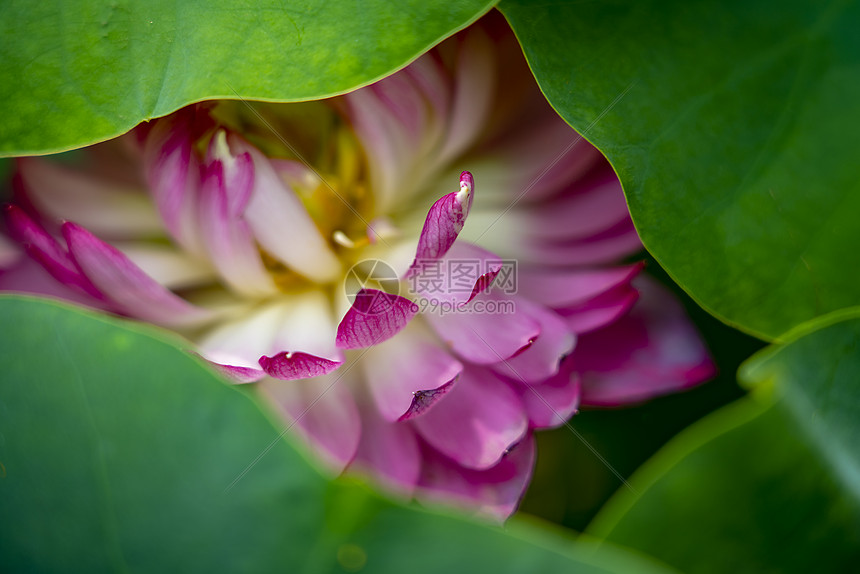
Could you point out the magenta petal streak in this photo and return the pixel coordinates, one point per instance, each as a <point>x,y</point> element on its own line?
<point>291,366</point>
<point>375,316</point>
<point>444,223</point>
<point>126,284</point>
<point>45,249</point>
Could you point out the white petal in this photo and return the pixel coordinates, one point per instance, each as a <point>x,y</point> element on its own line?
<point>301,322</point>
<point>171,268</point>
<point>282,225</point>
<point>108,209</point>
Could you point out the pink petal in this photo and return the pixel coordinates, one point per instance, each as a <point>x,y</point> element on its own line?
<point>606,247</point>
<point>235,178</point>
<point>429,76</point>
<point>594,206</point>
<point>405,103</point>
<point>387,451</point>
<point>444,222</point>
<point>509,232</point>
<point>239,374</point>
<point>537,160</point>
<point>225,191</point>
<point>289,366</point>
<point>651,351</point>
<point>30,276</point>
<point>574,164</point>
<point>455,279</point>
<point>566,288</point>
<point>479,419</point>
<point>487,330</point>
<point>374,317</point>
<point>384,142</point>
<point>541,359</point>
<point>552,402</point>
<point>601,310</point>
<point>137,294</point>
<point>10,254</point>
<point>422,401</point>
<point>45,250</point>
<point>173,172</point>
<point>322,411</point>
<point>494,492</point>
<point>526,136</point>
<point>408,373</point>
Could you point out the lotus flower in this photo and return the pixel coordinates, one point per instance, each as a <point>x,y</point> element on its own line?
<point>479,305</point>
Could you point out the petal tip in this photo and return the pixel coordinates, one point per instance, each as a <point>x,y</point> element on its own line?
<point>290,366</point>
<point>424,400</point>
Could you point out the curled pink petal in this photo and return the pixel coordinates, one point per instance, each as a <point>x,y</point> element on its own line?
<point>423,400</point>
<point>476,422</point>
<point>375,316</point>
<point>444,222</point>
<point>289,366</point>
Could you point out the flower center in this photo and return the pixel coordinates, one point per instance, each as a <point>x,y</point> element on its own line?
<point>317,156</point>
